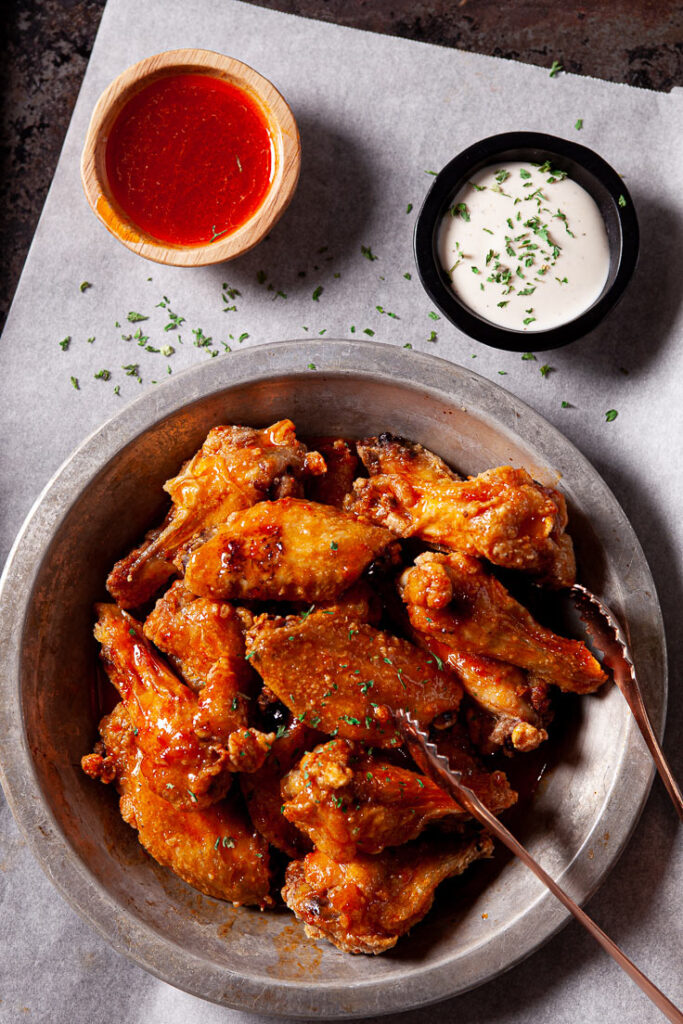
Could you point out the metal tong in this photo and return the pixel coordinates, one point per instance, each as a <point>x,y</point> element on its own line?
<point>441,772</point>
<point>603,626</point>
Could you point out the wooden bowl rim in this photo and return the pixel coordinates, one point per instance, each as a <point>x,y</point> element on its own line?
<point>286,155</point>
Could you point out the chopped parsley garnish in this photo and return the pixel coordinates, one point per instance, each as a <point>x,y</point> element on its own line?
<point>84,285</point>
<point>368,253</point>
<point>317,293</point>
<point>432,336</point>
<point>611,415</point>
<point>409,207</point>
<point>75,384</point>
<point>460,210</point>
<point>134,318</point>
<point>622,200</point>
<point>408,276</point>
<point>311,366</point>
<point>433,316</point>
<point>545,370</point>
<point>334,546</point>
<point>370,333</point>
<point>103,375</point>
<point>565,405</point>
<point>65,342</point>
<point>579,124</point>
<point>555,69</point>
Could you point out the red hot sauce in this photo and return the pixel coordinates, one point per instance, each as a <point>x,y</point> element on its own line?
<point>190,158</point>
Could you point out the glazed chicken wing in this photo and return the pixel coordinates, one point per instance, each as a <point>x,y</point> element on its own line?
<point>287,550</point>
<point>235,468</point>
<point>365,905</point>
<point>349,801</point>
<point>215,849</point>
<point>343,676</point>
<point>502,514</point>
<point>204,641</point>
<point>261,790</point>
<point>514,703</point>
<point>453,599</point>
<point>331,487</point>
<point>177,764</point>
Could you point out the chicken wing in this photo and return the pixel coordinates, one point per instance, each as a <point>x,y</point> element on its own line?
<point>349,801</point>
<point>204,641</point>
<point>453,599</point>
<point>287,550</point>
<point>235,468</point>
<point>182,768</point>
<point>516,706</point>
<point>331,487</point>
<point>343,676</point>
<point>365,905</point>
<point>215,849</point>
<point>261,790</point>
<point>502,514</point>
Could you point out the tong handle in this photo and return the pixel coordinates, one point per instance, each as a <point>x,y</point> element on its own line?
<point>441,772</point>
<point>634,699</point>
<point>603,625</point>
<point>464,795</point>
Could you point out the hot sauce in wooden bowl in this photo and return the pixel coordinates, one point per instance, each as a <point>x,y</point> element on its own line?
<point>190,158</point>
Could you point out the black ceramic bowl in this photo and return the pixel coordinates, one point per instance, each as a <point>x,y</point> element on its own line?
<point>587,169</point>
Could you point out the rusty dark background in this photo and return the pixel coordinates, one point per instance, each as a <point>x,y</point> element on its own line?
<point>47,44</point>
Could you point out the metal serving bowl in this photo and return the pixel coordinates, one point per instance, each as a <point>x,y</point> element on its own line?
<point>97,506</point>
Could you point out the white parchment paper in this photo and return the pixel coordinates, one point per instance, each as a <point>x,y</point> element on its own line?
<point>375,115</point>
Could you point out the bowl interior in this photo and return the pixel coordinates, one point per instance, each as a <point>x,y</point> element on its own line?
<point>582,166</point>
<point>257,961</point>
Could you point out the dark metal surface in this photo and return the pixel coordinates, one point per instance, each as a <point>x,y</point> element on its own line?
<point>48,43</point>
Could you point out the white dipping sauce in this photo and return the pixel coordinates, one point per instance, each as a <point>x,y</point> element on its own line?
<point>524,246</point>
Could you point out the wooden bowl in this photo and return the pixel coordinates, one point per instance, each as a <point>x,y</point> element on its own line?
<point>286,156</point>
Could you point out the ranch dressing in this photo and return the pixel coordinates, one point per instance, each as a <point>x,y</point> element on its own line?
<point>524,246</point>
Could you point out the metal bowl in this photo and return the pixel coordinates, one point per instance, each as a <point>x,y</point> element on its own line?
<point>97,506</point>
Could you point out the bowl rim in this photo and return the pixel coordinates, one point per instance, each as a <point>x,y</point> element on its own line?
<point>126,933</point>
<point>450,179</point>
<point>286,155</point>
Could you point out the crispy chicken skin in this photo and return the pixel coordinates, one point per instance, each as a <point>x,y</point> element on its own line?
<point>261,790</point>
<point>287,550</point>
<point>235,468</point>
<point>365,905</point>
<point>453,598</point>
<point>515,704</point>
<point>331,487</point>
<point>492,788</point>
<point>204,641</point>
<point>343,676</point>
<point>181,767</point>
<point>349,801</point>
<point>502,514</point>
<point>215,849</point>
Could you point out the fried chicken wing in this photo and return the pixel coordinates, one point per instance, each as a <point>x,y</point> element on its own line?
<point>261,790</point>
<point>515,704</point>
<point>365,905</point>
<point>287,550</point>
<point>502,514</point>
<point>453,599</point>
<point>235,468</point>
<point>492,788</point>
<point>351,802</point>
<point>331,487</point>
<point>343,676</point>
<point>204,641</point>
<point>215,849</point>
<point>177,764</point>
